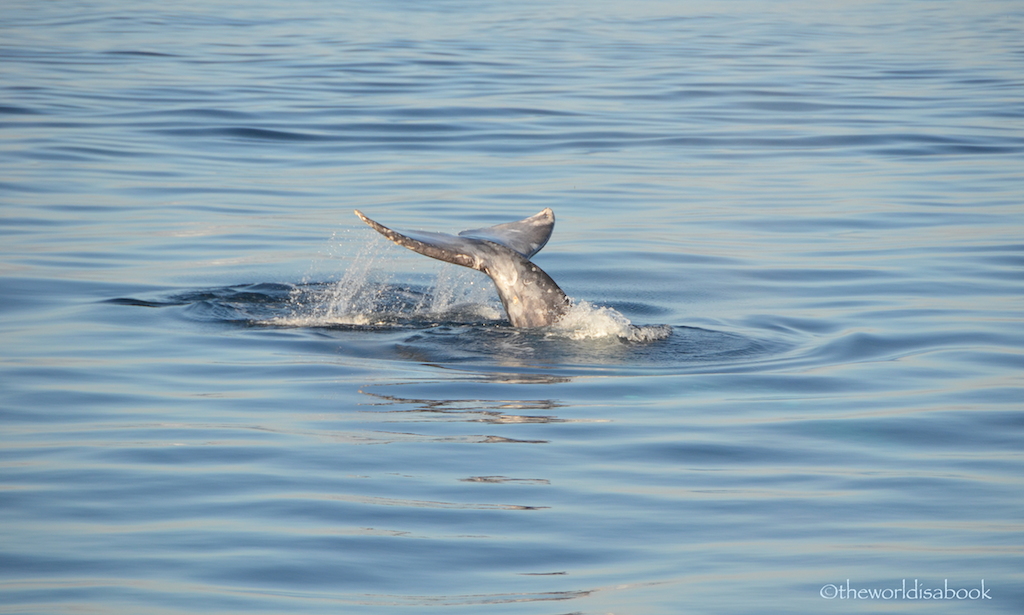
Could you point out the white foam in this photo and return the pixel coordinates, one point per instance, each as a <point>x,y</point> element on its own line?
<point>586,321</point>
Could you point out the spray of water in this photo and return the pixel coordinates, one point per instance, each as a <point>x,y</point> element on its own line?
<point>460,294</point>
<point>586,321</point>
<point>352,299</point>
<point>367,295</point>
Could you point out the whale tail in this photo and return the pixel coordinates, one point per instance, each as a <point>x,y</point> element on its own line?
<point>531,298</point>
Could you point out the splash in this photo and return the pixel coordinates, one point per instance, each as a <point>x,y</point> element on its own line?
<point>354,299</point>
<point>362,298</point>
<point>368,295</point>
<point>586,321</point>
<point>458,291</point>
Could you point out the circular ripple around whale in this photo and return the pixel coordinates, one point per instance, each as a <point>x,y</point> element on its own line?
<point>402,322</point>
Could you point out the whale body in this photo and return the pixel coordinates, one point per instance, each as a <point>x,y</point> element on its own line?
<point>531,298</point>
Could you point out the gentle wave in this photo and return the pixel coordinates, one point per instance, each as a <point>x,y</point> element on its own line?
<point>823,205</point>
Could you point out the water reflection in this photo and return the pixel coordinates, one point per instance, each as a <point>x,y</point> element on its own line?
<point>505,479</point>
<point>468,410</point>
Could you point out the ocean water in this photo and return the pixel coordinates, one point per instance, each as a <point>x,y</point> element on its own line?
<point>792,381</point>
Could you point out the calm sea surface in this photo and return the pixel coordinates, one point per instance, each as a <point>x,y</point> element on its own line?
<point>794,232</point>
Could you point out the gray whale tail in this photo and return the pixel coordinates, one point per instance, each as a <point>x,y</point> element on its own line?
<point>531,298</point>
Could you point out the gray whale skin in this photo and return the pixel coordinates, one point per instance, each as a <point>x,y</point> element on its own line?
<point>531,298</point>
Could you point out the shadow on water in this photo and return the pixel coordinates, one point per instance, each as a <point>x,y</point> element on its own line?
<point>433,325</point>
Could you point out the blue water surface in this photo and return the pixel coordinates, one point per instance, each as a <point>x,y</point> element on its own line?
<point>220,392</point>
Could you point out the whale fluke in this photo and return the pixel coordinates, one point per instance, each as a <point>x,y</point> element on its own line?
<point>531,298</point>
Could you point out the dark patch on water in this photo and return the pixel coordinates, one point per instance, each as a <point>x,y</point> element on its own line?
<point>406,324</point>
